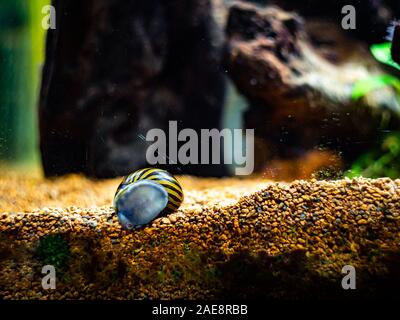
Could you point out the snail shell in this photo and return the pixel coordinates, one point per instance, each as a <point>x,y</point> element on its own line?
<point>145,195</point>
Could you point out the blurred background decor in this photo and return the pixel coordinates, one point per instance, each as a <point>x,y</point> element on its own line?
<point>21,55</point>
<point>320,98</point>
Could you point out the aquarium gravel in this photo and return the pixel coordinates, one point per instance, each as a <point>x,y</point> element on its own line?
<point>264,240</point>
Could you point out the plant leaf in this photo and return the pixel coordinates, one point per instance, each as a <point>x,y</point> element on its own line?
<point>363,86</point>
<point>382,53</point>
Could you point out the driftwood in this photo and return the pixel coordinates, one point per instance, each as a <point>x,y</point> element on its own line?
<point>114,70</point>
<point>298,76</point>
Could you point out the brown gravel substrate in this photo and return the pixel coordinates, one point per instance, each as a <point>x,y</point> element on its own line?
<point>230,239</point>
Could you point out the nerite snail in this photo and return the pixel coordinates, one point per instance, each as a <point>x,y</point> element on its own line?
<point>145,195</point>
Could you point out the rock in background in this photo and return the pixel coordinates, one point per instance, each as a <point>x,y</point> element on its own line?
<point>116,69</point>
<point>298,75</point>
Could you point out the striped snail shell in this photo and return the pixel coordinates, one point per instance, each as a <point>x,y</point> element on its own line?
<point>145,195</point>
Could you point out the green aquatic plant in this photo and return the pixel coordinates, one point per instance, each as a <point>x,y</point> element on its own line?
<point>382,161</point>
<point>161,274</point>
<point>364,86</point>
<point>53,250</point>
<point>176,274</point>
<point>382,53</point>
